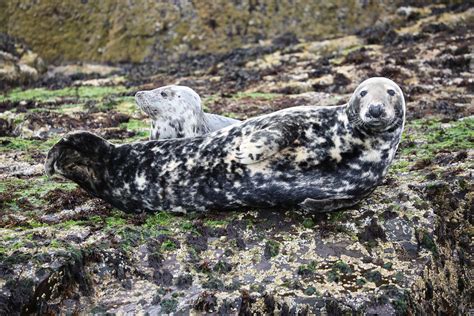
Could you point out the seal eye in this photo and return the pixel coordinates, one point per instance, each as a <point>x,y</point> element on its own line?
<point>163,94</point>
<point>391,92</point>
<point>363,93</point>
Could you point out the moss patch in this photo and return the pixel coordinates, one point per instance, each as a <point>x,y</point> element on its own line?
<point>42,94</point>
<point>115,221</point>
<point>399,166</point>
<point>161,219</point>
<point>256,95</point>
<point>432,136</point>
<point>168,245</point>
<point>307,269</point>
<point>139,126</point>
<point>19,144</point>
<point>272,249</point>
<point>216,223</point>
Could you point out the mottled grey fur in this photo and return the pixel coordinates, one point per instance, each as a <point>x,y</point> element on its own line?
<point>310,157</point>
<point>176,112</point>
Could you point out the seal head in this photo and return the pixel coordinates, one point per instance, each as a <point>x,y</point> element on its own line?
<point>377,105</point>
<point>82,157</point>
<point>167,101</point>
<point>175,112</point>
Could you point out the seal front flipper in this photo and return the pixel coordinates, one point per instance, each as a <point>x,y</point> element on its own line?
<point>326,205</point>
<point>264,143</point>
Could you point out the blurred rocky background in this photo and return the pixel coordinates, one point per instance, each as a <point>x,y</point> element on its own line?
<point>137,31</point>
<point>69,65</point>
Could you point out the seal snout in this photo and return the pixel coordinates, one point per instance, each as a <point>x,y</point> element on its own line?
<point>142,102</point>
<point>376,110</point>
<point>49,163</point>
<point>140,96</point>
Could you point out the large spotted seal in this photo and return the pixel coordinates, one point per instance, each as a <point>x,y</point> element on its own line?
<point>176,112</point>
<point>315,158</point>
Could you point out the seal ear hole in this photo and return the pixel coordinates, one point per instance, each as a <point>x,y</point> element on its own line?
<point>391,92</point>
<point>363,93</point>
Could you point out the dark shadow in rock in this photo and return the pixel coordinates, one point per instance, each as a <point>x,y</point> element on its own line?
<point>184,281</point>
<point>198,242</point>
<point>163,277</point>
<point>206,302</point>
<point>372,232</point>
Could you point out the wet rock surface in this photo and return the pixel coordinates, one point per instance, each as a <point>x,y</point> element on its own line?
<point>406,249</point>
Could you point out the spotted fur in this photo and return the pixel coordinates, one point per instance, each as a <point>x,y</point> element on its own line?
<point>310,157</point>
<point>176,113</point>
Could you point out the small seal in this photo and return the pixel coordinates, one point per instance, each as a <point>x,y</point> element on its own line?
<point>310,157</point>
<point>176,113</point>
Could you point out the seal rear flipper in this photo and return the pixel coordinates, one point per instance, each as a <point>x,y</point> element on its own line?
<point>264,143</point>
<point>327,205</point>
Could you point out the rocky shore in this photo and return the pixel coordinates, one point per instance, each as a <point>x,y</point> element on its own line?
<point>407,249</point>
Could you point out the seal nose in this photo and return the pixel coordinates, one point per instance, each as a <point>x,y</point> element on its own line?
<point>376,110</point>
<point>139,94</point>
